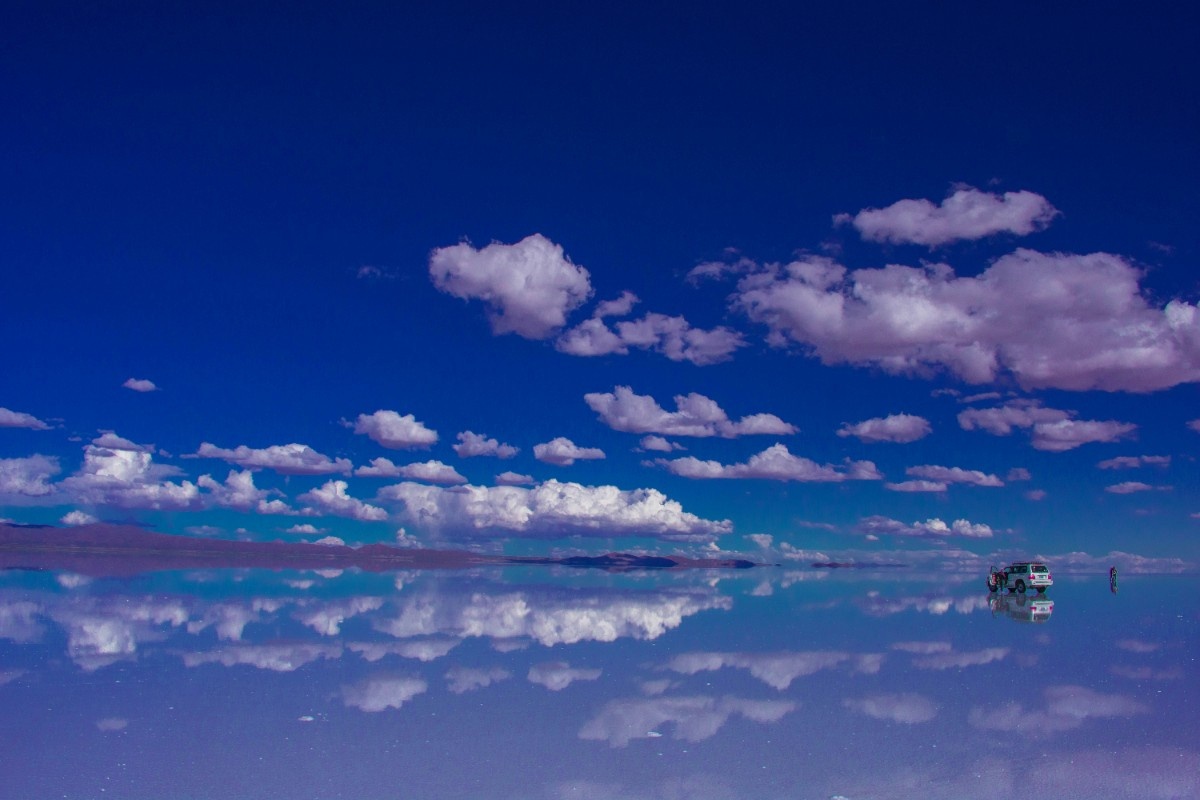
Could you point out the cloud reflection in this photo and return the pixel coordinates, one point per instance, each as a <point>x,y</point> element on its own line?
<point>558,675</point>
<point>327,618</point>
<point>104,631</point>
<point>547,616</point>
<point>277,657</point>
<point>230,619</point>
<point>693,718</point>
<point>460,680</point>
<point>17,622</point>
<point>777,670</point>
<point>425,650</point>
<point>960,660</point>
<point>906,707</point>
<point>382,692</point>
<point>1065,707</point>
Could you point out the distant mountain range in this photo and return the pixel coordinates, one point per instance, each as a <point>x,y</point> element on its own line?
<point>103,549</point>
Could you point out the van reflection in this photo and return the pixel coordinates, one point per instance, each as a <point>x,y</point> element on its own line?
<point>1021,607</point>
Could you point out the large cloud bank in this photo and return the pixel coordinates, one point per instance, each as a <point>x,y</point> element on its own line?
<point>549,510</point>
<point>1050,320</point>
<point>121,473</point>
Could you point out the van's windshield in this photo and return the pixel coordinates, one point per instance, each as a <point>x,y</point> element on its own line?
<point>1038,568</point>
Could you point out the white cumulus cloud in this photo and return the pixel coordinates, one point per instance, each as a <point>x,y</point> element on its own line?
<point>966,214</point>
<point>659,444</point>
<point>528,287</point>
<point>122,473</point>
<point>239,492</point>
<point>472,444</point>
<point>695,415</point>
<point>901,428</point>
<point>1130,462</point>
<point>936,528</point>
<point>917,486</point>
<point>1050,429</point>
<point>429,471</point>
<point>286,459</point>
<point>673,337</point>
<point>391,430</point>
<point>332,498</point>
<point>19,419</point>
<point>140,385</point>
<point>562,452</point>
<point>776,463</point>
<point>27,477</point>
<point>954,475</point>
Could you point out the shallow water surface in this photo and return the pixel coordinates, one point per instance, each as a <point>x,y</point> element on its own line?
<point>554,683</point>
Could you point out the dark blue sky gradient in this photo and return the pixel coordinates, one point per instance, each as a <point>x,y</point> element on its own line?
<point>191,192</point>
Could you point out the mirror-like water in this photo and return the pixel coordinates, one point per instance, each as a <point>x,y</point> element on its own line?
<point>540,683</point>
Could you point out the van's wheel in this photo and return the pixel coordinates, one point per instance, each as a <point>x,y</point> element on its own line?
<point>1021,587</point>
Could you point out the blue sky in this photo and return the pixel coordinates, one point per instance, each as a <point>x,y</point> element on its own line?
<point>871,278</point>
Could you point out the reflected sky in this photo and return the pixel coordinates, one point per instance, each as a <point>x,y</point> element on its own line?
<point>516,683</point>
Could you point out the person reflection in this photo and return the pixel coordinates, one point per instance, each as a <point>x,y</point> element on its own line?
<point>1112,579</point>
